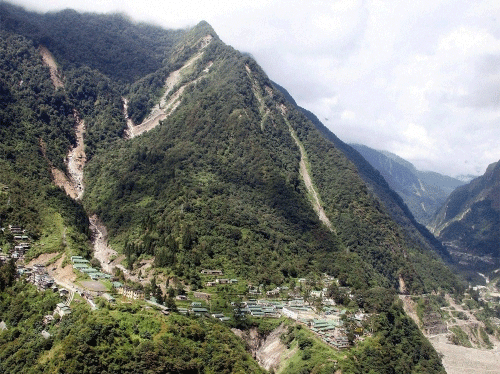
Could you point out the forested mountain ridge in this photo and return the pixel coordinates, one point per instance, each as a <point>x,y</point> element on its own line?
<point>111,44</point>
<point>251,101</point>
<point>235,106</point>
<point>393,203</point>
<point>218,183</point>
<point>469,221</point>
<point>225,155</point>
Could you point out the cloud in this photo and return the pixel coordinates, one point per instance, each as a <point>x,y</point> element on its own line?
<point>347,115</point>
<point>420,79</point>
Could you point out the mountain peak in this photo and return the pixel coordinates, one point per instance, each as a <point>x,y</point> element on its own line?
<point>493,170</point>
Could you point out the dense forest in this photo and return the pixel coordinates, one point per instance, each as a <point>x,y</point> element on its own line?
<point>122,339</point>
<point>219,179</point>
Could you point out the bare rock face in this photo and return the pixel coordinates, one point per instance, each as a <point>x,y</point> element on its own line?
<point>269,350</point>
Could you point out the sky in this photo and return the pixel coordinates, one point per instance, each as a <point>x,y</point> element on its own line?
<point>420,79</point>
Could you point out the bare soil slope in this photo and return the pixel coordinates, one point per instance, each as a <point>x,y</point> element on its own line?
<point>268,352</point>
<point>169,101</point>
<point>48,60</point>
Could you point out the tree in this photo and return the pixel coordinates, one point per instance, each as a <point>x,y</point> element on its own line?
<point>350,326</point>
<point>156,291</point>
<point>170,304</point>
<point>7,274</point>
<point>170,291</point>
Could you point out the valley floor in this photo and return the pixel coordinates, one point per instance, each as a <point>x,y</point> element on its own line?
<point>462,360</point>
<point>459,359</point>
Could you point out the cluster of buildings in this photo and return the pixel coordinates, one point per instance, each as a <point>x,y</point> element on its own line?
<point>38,276</point>
<point>217,281</point>
<point>261,308</point>
<point>21,244</point>
<point>61,308</point>
<point>488,294</point>
<point>297,309</point>
<point>329,328</point>
<point>221,281</point>
<point>83,265</point>
<point>330,331</point>
<point>326,324</point>
<point>198,309</point>
<point>19,250</point>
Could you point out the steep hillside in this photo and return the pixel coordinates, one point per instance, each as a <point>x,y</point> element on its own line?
<point>218,183</point>
<point>416,233</point>
<point>469,221</point>
<point>423,192</point>
<point>36,129</point>
<point>229,146</point>
<point>192,160</point>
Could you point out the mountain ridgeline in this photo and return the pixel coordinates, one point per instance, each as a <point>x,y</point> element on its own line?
<point>196,159</point>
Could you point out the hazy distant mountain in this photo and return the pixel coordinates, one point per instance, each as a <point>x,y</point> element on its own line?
<point>469,221</point>
<point>423,192</point>
<point>466,178</point>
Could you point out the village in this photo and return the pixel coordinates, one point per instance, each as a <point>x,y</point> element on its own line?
<point>311,308</point>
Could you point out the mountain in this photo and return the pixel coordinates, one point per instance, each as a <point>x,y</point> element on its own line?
<point>423,192</point>
<point>218,175</point>
<point>192,159</point>
<point>416,233</point>
<point>235,172</point>
<point>469,221</point>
